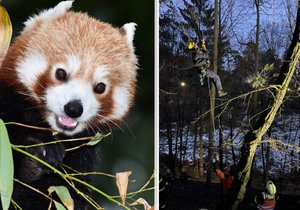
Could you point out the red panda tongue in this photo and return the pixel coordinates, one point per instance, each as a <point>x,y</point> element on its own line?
<point>67,122</point>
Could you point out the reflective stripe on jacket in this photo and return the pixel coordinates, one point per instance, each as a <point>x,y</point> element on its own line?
<point>268,204</point>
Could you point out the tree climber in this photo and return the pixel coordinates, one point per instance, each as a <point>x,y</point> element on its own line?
<point>201,61</point>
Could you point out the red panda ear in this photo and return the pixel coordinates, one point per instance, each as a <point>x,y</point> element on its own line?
<point>128,30</point>
<point>49,14</point>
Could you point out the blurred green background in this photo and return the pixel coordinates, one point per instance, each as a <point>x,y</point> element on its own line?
<point>132,146</point>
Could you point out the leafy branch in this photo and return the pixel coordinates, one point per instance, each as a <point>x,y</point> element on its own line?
<point>70,178</point>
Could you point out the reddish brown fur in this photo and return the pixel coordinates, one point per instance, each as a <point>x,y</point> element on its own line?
<point>85,37</point>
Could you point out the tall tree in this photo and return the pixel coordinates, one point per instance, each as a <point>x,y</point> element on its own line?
<point>213,92</point>
<point>167,49</point>
<point>255,110</point>
<point>254,136</point>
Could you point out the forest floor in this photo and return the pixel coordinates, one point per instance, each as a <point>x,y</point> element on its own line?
<point>195,195</point>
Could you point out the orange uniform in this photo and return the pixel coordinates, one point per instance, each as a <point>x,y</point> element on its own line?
<point>265,201</point>
<point>226,180</point>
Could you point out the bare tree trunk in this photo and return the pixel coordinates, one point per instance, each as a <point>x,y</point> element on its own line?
<point>196,127</point>
<point>268,153</point>
<point>256,65</point>
<point>195,141</point>
<point>263,161</point>
<point>268,160</point>
<point>201,148</point>
<point>256,72</point>
<point>257,2</point>
<point>185,147</point>
<point>201,141</point>
<point>176,146</point>
<point>232,144</point>
<point>201,154</point>
<point>215,69</point>
<point>220,151</point>
<point>170,161</point>
<point>213,94</point>
<point>180,144</point>
<point>254,136</point>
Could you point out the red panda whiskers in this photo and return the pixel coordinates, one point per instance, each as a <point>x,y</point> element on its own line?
<point>90,126</point>
<point>32,98</point>
<point>127,126</point>
<point>106,119</point>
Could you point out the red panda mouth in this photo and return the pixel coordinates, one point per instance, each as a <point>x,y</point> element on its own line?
<point>66,123</point>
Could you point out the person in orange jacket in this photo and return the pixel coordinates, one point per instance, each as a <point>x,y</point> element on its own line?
<point>226,178</point>
<point>266,200</point>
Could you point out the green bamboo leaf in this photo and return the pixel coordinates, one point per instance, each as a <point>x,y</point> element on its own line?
<point>59,206</point>
<point>97,138</point>
<point>6,167</point>
<point>64,195</point>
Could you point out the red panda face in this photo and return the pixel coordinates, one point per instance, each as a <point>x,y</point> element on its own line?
<point>80,71</point>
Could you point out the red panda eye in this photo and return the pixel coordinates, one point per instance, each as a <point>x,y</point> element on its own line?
<point>100,88</point>
<point>61,74</point>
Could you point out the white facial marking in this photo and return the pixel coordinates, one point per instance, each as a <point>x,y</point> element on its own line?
<point>100,75</point>
<point>49,14</point>
<point>57,97</point>
<point>30,68</point>
<point>101,72</point>
<point>73,65</point>
<point>121,105</point>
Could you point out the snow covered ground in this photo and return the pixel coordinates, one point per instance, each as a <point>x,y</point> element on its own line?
<point>284,145</point>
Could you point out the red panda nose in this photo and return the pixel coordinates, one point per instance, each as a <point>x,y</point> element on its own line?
<point>74,109</point>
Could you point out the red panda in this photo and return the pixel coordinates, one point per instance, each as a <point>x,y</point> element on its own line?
<point>73,74</point>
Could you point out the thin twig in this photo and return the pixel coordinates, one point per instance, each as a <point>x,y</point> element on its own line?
<point>29,126</point>
<point>60,141</point>
<point>67,177</point>
<point>276,87</point>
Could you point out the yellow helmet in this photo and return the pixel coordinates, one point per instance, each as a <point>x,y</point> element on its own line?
<point>203,46</point>
<point>191,44</point>
<point>270,188</point>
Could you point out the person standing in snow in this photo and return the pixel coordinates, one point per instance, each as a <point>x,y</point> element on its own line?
<point>226,178</point>
<point>201,61</point>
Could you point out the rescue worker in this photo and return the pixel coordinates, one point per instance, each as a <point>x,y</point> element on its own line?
<point>266,200</point>
<point>201,61</point>
<point>226,179</point>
